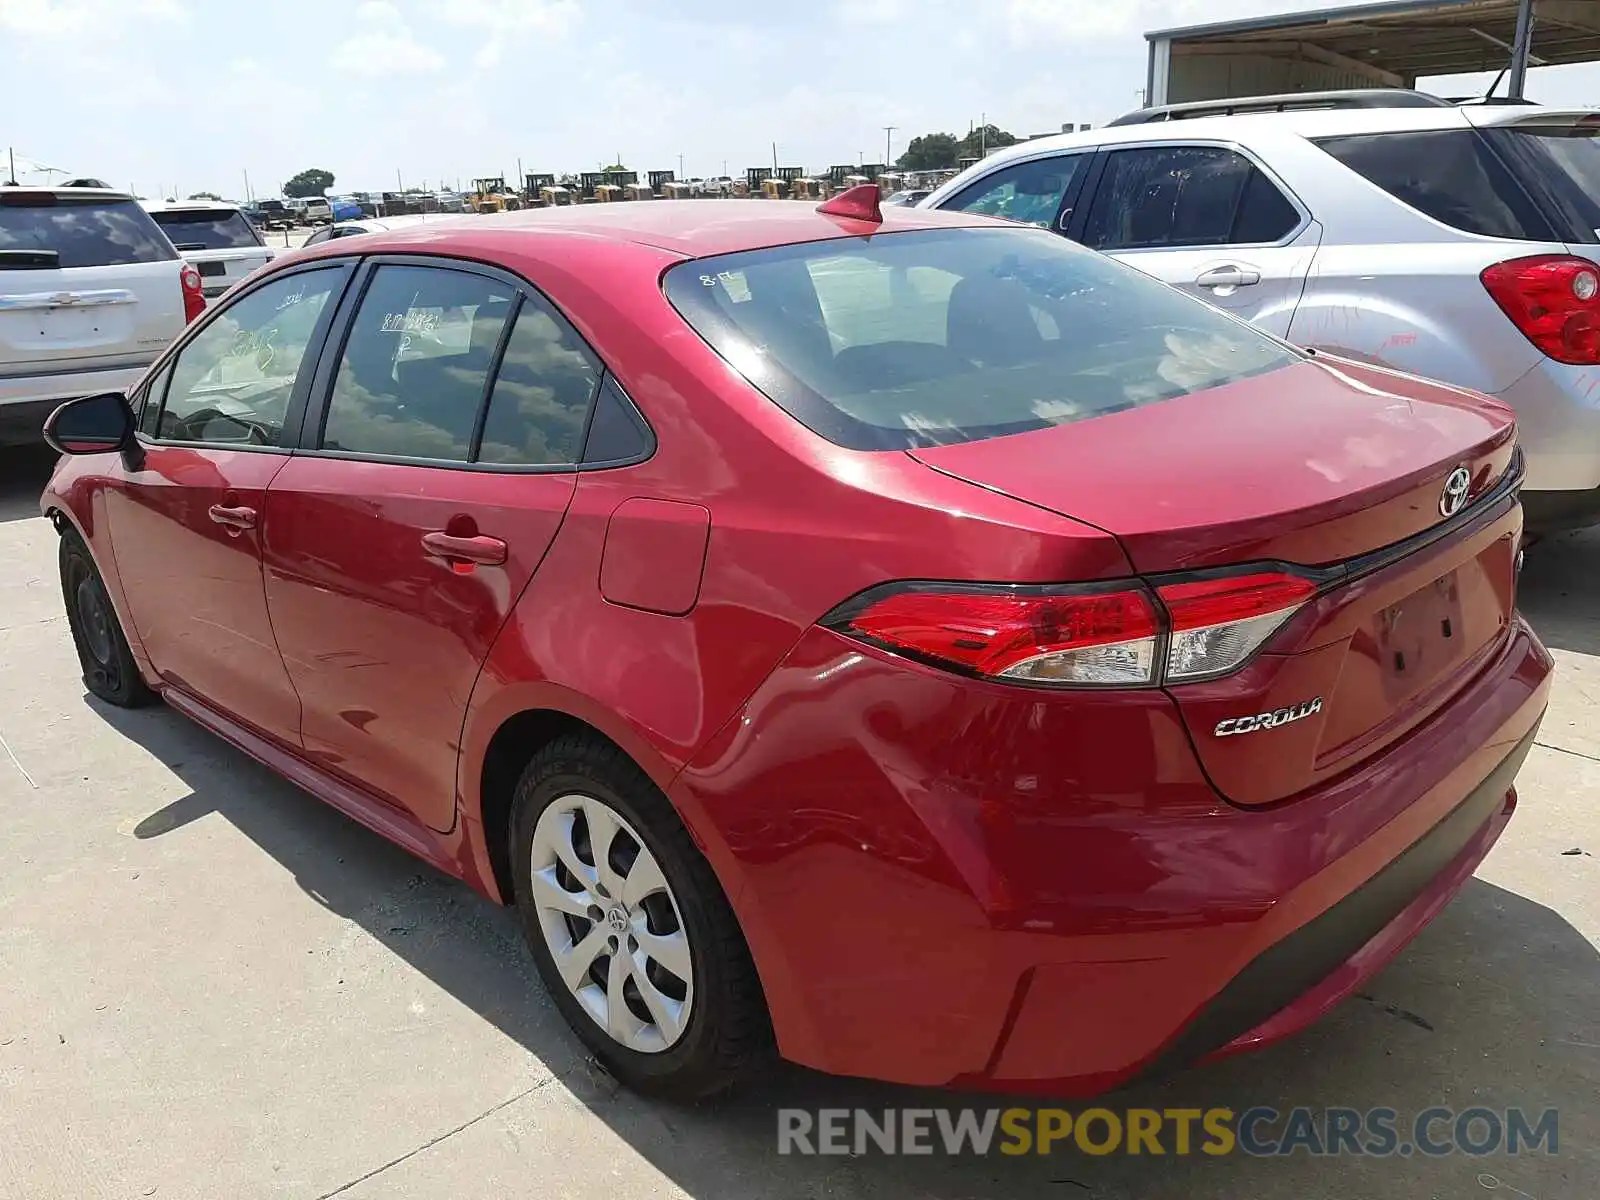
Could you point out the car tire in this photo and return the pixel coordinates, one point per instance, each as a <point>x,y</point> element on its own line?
<point>726,1032</point>
<point>109,670</point>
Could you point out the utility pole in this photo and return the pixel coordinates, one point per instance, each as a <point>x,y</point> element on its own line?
<point>888,154</point>
<point>11,151</point>
<point>983,135</point>
<point>1520,50</point>
<point>398,185</point>
<point>774,160</point>
<point>680,166</point>
<point>248,197</point>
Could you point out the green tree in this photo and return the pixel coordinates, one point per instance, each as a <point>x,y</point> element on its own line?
<point>615,168</point>
<point>204,196</point>
<point>930,152</point>
<point>985,138</point>
<point>314,182</point>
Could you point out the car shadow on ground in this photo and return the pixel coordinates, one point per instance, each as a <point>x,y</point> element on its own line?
<point>1492,1005</point>
<point>1558,591</point>
<point>24,470</point>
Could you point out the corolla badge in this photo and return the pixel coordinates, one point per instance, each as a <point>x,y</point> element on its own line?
<point>1272,720</point>
<point>1454,496</point>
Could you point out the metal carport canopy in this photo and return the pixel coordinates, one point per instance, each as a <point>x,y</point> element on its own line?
<point>1389,44</point>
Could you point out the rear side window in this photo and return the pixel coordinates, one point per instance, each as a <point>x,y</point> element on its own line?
<point>201,229</point>
<point>940,336</point>
<point>1177,196</point>
<point>416,364</point>
<point>1451,175</point>
<point>43,230</point>
<point>1560,166</point>
<point>542,393</point>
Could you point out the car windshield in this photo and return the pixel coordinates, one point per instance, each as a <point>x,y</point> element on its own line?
<point>207,229</point>
<point>51,230</point>
<point>942,336</point>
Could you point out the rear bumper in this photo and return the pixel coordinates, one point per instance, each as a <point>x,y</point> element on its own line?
<point>1558,428</point>
<point>945,883</point>
<point>25,402</point>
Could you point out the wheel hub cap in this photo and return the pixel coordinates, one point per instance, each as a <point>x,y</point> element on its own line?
<point>611,923</point>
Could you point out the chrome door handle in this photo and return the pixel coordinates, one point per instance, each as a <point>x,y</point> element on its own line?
<point>233,518</point>
<point>1229,277</point>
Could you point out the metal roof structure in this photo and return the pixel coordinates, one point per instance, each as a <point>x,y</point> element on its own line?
<point>1394,44</point>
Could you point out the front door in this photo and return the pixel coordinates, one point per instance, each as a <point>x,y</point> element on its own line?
<point>1208,220</point>
<point>401,537</point>
<point>187,523</point>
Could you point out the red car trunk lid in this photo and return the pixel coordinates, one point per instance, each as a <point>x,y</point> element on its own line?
<point>1326,464</point>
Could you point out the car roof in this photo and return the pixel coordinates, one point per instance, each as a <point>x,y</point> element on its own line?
<point>692,228</point>
<point>105,193</point>
<point>191,206</point>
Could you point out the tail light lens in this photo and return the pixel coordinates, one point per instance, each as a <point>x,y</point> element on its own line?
<point>1554,299</point>
<point>1113,637</point>
<point>194,297</point>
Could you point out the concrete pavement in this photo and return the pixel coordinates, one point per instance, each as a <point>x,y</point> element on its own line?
<point>212,985</point>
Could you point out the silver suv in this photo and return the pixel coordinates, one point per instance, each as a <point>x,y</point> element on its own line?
<point>91,292</point>
<point>1459,243</point>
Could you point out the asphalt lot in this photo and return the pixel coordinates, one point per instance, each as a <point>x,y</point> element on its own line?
<point>212,985</point>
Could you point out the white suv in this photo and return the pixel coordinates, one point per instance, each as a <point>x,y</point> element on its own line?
<point>216,237</point>
<point>91,291</point>
<point>1459,243</point>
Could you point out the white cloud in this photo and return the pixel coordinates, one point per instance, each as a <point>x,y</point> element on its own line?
<point>54,18</point>
<point>385,45</point>
<point>873,12</point>
<point>504,19</point>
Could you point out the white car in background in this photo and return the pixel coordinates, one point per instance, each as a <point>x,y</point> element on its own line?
<point>1459,243</point>
<point>216,237</point>
<point>91,292</point>
<point>344,229</point>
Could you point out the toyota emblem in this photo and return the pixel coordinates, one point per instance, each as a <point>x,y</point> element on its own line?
<point>1454,496</point>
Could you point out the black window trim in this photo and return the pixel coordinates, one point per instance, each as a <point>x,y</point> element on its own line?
<point>293,416</point>
<point>1104,153</point>
<point>313,417</point>
<point>1071,199</point>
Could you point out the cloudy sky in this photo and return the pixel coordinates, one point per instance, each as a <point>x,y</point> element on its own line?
<point>185,95</point>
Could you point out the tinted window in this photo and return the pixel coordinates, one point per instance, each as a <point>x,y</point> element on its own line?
<point>541,394</point>
<point>933,337</point>
<point>1030,192</point>
<point>1450,175</point>
<point>232,384</point>
<point>81,231</point>
<point>202,229</point>
<point>150,402</point>
<point>416,364</point>
<point>1184,196</point>
<point>616,433</point>
<point>1560,166</point>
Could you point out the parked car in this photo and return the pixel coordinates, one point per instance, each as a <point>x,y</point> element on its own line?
<point>317,211</point>
<point>275,214</point>
<point>1459,243</point>
<point>91,291</point>
<point>908,196</point>
<point>216,237</point>
<point>901,638</point>
<point>343,229</point>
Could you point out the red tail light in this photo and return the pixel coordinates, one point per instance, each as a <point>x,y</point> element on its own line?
<point>194,297</point>
<point>1074,637</point>
<point>1554,299</point>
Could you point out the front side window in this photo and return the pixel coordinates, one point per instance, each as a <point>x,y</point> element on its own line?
<point>416,363</point>
<point>1179,196</point>
<point>1029,192</point>
<point>232,384</point>
<point>940,336</point>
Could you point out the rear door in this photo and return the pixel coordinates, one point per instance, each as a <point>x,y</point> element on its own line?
<point>432,478</point>
<point>1205,218</point>
<point>87,282</point>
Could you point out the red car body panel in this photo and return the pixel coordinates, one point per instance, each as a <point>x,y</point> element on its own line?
<point>941,879</point>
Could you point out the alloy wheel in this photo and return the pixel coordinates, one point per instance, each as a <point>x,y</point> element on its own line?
<point>611,923</point>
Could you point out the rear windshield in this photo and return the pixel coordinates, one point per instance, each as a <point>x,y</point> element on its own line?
<point>207,230</point>
<point>77,231</point>
<point>1560,166</point>
<point>935,337</point>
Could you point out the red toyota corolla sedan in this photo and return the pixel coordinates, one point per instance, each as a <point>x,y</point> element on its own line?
<point>904,641</point>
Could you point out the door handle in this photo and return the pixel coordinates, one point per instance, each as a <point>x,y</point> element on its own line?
<point>234,518</point>
<point>489,551</point>
<point>1228,277</point>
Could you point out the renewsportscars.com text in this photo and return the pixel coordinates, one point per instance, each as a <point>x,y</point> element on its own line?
<point>1260,1131</point>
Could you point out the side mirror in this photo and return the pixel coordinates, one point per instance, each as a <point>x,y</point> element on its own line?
<point>91,425</point>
